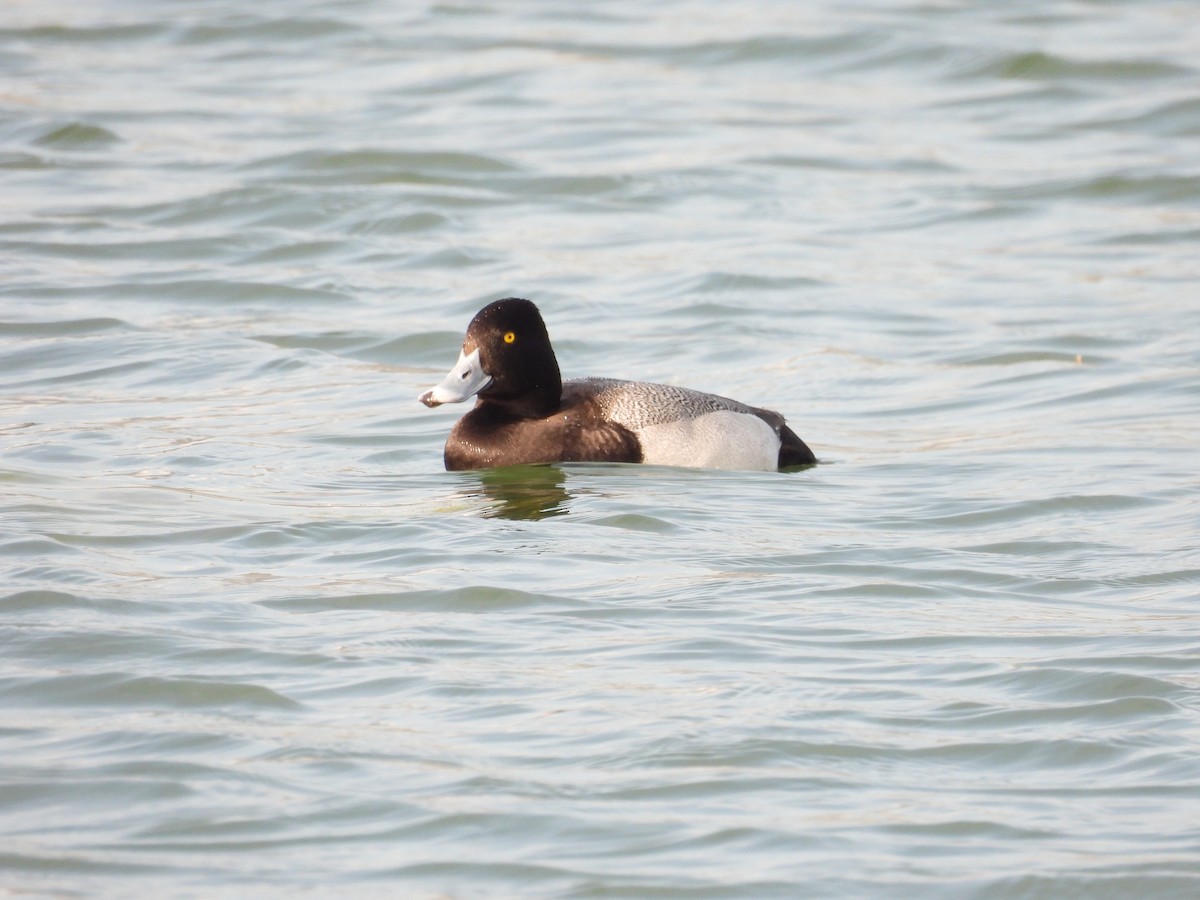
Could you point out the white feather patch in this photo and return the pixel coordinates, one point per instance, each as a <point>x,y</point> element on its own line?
<point>722,439</point>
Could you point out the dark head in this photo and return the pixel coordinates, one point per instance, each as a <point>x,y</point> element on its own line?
<point>506,359</point>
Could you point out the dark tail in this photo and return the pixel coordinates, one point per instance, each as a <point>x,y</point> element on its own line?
<point>793,451</point>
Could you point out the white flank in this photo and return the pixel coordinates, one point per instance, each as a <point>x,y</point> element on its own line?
<point>717,440</point>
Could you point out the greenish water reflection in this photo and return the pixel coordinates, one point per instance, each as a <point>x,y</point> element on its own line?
<point>523,492</point>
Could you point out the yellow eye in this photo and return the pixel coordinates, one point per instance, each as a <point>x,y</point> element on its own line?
<point>509,337</point>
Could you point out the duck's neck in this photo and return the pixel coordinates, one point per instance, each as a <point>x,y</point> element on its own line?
<point>536,401</point>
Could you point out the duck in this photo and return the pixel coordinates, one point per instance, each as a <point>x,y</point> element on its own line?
<point>525,413</point>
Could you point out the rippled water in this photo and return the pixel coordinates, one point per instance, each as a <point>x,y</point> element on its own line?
<point>255,639</point>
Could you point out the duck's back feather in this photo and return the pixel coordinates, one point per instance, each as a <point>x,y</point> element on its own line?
<point>680,427</point>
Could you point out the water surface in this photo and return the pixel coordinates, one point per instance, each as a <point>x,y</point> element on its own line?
<point>256,640</point>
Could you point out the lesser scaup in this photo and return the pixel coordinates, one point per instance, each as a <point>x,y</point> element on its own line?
<point>526,413</point>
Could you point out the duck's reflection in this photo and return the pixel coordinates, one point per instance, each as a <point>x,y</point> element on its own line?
<point>522,492</point>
